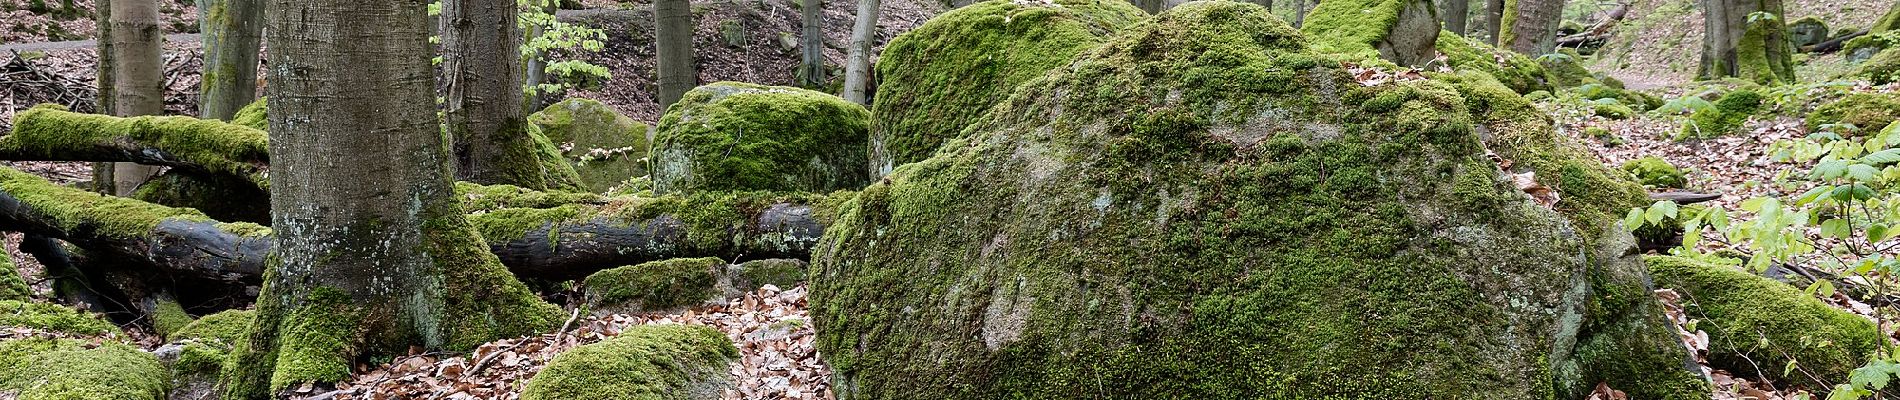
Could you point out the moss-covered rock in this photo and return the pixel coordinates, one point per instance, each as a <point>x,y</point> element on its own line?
<point>655,286</point>
<point>647,362</point>
<point>1636,100</point>
<point>1867,111</point>
<point>12,286</point>
<point>1522,74</point>
<point>1613,111</point>
<point>751,275</point>
<point>197,352</point>
<point>1807,31</point>
<point>70,369</point>
<point>1755,322</point>
<point>605,148</point>
<point>168,316</point>
<point>52,317</point>
<point>741,136</point>
<point>1204,207</point>
<point>935,79</point>
<point>1653,171</point>
<point>1566,69</point>
<point>1402,32</point>
<point>255,115</point>
<point>1866,46</point>
<point>1883,68</point>
<point>226,327</point>
<point>1729,114</point>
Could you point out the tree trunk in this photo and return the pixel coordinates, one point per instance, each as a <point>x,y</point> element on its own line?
<point>482,79</point>
<point>1530,26</point>
<point>138,78</point>
<point>1151,6</point>
<point>673,36</point>
<point>1299,13</point>
<point>1456,13</point>
<point>1734,45</point>
<point>536,68</point>
<point>857,72</point>
<point>231,30</point>
<point>811,70</point>
<point>372,252</point>
<point>1493,20</point>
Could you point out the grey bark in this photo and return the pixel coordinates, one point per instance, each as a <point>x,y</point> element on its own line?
<point>1151,6</point>
<point>673,39</point>
<point>368,232</point>
<point>1456,12</point>
<point>1299,13</point>
<point>857,74</point>
<point>481,73</point>
<point>1725,23</point>
<point>1493,20</point>
<point>232,30</point>
<point>1532,27</point>
<point>102,16</point>
<point>137,76</point>
<point>811,67</point>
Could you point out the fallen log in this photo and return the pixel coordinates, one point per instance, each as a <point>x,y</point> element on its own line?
<point>558,243</point>
<point>51,133</point>
<point>1597,33</point>
<point>1833,45</point>
<point>1683,197</point>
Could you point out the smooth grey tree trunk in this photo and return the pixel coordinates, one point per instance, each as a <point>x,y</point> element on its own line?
<point>811,67</point>
<point>372,253</point>
<point>536,73</point>
<point>1299,12</point>
<point>231,30</point>
<point>102,100</point>
<point>138,77</point>
<point>1456,12</point>
<point>857,74</point>
<point>673,37</point>
<point>482,77</point>
<point>1531,27</point>
<point>1493,20</point>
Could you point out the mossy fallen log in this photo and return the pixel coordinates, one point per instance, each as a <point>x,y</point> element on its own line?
<point>51,133</point>
<point>561,242</point>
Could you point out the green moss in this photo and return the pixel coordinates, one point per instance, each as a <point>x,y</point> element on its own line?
<point>200,358</point>
<point>1867,111</point>
<point>1613,111</point>
<point>12,286</point>
<point>1729,114</point>
<point>221,197</point>
<point>254,115</point>
<point>1883,68</point>
<point>1888,22</point>
<point>76,210</point>
<point>227,327</point>
<point>1865,46</point>
<point>482,198</point>
<point>1754,322</point>
<point>244,229</point>
<point>1203,207</point>
<point>317,340</point>
<point>1522,74</point>
<point>52,317</point>
<point>1566,69</point>
<point>739,136</point>
<point>1760,59</point>
<point>655,286</point>
<point>555,170</point>
<point>647,362</point>
<point>68,369</point>
<point>514,223</point>
<point>1807,31</point>
<point>938,78</point>
<point>480,300</point>
<point>605,148</point>
<point>168,317</point>
<point>1653,171</point>
<point>216,146</point>
<point>1354,30</point>
<point>784,273</point>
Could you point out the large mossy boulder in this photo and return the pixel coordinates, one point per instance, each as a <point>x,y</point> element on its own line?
<point>1866,111</point>
<point>82,357</point>
<point>1522,74</point>
<point>1758,326</point>
<point>196,352</point>
<point>934,80</point>
<point>655,286</point>
<point>1400,31</point>
<point>1807,31</point>
<point>657,362</point>
<point>1730,113</point>
<point>605,148</point>
<point>1883,68</point>
<point>740,136</point>
<point>1204,207</point>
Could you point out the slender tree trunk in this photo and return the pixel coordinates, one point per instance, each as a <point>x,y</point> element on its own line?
<point>1299,13</point>
<point>1151,6</point>
<point>811,68</point>
<point>231,30</point>
<point>138,78</point>
<point>536,73</point>
<point>482,79</point>
<point>1530,26</point>
<point>372,253</point>
<point>673,36</point>
<point>1493,20</point>
<point>102,100</point>
<point>1456,13</point>
<point>857,73</point>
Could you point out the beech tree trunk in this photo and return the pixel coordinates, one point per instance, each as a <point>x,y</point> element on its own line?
<point>857,74</point>
<point>673,36</point>
<point>481,73</point>
<point>138,77</point>
<point>1493,20</point>
<point>231,30</point>
<point>102,100</point>
<point>1456,13</point>
<point>811,67</point>
<point>1530,26</point>
<point>372,253</point>
<point>1739,42</point>
<point>1299,13</point>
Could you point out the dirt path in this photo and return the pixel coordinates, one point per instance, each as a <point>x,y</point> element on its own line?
<point>84,44</point>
